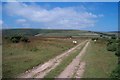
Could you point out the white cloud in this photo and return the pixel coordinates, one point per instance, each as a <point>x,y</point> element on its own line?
<point>21,21</point>
<point>57,17</point>
<point>1,22</point>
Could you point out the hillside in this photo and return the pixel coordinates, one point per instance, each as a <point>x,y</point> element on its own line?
<point>49,33</point>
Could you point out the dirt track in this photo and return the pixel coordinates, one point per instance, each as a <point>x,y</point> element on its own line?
<point>75,68</point>
<point>41,70</point>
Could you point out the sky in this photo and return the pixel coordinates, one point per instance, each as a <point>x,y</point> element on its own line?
<point>94,16</point>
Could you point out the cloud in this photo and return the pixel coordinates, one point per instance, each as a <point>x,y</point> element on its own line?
<point>57,17</point>
<point>1,22</point>
<point>21,21</point>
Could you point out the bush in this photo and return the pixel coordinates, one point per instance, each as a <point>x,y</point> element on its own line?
<point>113,37</point>
<point>117,53</point>
<point>24,39</point>
<point>18,38</point>
<point>94,38</point>
<point>111,47</point>
<point>116,73</point>
<point>15,40</point>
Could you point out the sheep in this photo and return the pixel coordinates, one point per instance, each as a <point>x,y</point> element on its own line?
<point>74,42</point>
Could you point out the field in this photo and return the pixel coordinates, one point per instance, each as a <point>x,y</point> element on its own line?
<point>100,62</point>
<point>18,58</point>
<point>46,45</point>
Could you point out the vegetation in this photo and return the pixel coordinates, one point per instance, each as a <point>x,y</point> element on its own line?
<point>116,49</point>
<point>17,58</point>
<point>48,33</point>
<point>66,61</point>
<point>18,38</point>
<point>94,39</point>
<point>100,62</point>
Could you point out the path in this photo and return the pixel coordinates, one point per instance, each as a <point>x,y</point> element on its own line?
<point>75,67</point>
<point>41,70</point>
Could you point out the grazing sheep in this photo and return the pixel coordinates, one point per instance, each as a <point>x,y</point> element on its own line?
<point>74,42</point>
<point>95,40</point>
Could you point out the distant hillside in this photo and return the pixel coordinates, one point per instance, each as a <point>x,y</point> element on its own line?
<point>117,33</point>
<point>48,32</point>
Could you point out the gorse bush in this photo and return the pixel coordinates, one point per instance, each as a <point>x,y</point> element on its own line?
<point>116,73</point>
<point>15,39</point>
<point>18,38</point>
<point>24,39</point>
<point>111,47</point>
<point>114,45</point>
<point>94,38</point>
<point>117,53</point>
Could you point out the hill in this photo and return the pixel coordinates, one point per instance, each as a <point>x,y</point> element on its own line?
<point>49,33</point>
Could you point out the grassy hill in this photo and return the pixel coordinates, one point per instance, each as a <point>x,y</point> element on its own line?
<point>49,32</point>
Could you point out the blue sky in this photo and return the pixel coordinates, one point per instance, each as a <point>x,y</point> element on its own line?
<point>95,16</point>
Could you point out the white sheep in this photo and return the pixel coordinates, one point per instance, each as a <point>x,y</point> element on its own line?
<point>74,42</point>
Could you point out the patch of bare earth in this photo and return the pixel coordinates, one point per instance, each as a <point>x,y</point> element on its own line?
<point>76,67</point>
<point>41,70</point>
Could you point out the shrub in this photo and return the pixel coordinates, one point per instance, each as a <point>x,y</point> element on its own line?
<point>18,38</point>
<point>111,47</point>
<point>117,53</point>
<point>24,39</point>
<point>113,37</point>
<point>15,40</point>
<point>116,73</point>
<point>94,38</point>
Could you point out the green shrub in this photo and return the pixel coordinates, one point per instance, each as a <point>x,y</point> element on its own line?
<point>24,39</point>
<point>15,40</point>
<point>111,47</point>
<point>94,38</point>
<point>18,38</point>
<point>113,37</point>
<point>116,73</point>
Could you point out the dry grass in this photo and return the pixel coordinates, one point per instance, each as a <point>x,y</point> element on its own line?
<point>18,58</point>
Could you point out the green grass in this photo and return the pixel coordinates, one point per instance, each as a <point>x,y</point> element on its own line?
<point>65,62</point>
<point>17,58</point>
<point>48,32</point>
<point>100,62</point>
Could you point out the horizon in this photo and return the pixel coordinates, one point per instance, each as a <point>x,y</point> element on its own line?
<point>88,16</point>
<point>55,29</point>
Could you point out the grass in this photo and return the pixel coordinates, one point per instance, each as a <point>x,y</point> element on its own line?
<point>65,62</point>
<point>17,58</point>
<point>47,32</point>
<point>100,62</point>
